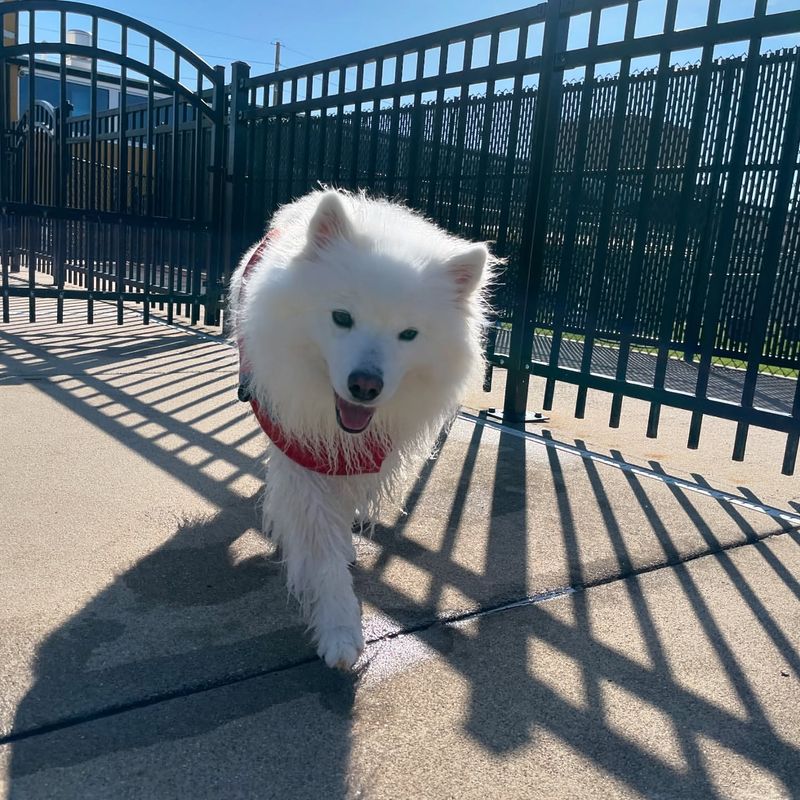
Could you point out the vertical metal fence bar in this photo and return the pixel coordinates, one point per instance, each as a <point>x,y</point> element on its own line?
<point>137,123</point>
<point>787,300</point>
<point>394,130</point>
<point>62,172</point>
<point>218,265</point>
<point>256,160</point>
<point>719,265</point>
<point>739,294</point>
<point>528,284</point>
<point>5,101</point>
<point>699,286</point>
<point>761,192</point>
<point>323,128</point>
<point>122,178</point>
<point>91,229</point>
<point>677,260</point>
<point>770,257</point>
<point>356,128</point>
<point>30,170</point>
<point>511,153</point>
<point>436,132</point>
<point>639,249</point>
<point>486,138</point>
<point>277,122</point>
<point>574,206</point>
<point>198,201</point>
<point>416,136</point>
<point>374,133</point>
<point>292,122</point>
<point>551,92</point>
<point>307,127</point>
<point>5,252</point>
<point>149,183</point>
<point>606,215</point>
<point>175,196</point>
<point>456,177</point>
<point>336,167</point>
<point>235,167</point>
<point>162,281</point>
<point>6,239</point>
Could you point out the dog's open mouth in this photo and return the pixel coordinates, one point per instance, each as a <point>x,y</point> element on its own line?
<point>352,417</point>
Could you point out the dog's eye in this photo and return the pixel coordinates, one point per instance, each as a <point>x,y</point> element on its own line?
<point>342,319</point>
<point>407,335</point>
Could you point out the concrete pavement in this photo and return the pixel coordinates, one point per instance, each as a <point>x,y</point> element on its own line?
<point>148,649</point>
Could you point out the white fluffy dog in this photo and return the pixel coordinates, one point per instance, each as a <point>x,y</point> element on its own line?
<point>359,327</point>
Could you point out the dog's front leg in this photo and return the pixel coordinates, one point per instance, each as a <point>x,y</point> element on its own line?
<point>311,523</point>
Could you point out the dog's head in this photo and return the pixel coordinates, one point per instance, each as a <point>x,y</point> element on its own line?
<point>383,309</point>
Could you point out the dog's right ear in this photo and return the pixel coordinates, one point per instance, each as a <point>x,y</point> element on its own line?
<point>466,269</point>
<point>330,223</point>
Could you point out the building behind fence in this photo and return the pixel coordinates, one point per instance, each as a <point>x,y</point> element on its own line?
<point>642,211</point>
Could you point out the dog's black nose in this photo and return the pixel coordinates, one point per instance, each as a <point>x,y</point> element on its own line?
<point>365,386</point>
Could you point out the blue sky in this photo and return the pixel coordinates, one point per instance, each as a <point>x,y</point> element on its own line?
<point>308,29</point>
<point>311,30</point>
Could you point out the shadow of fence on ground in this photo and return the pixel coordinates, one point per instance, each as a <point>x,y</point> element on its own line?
<point>167,396</point>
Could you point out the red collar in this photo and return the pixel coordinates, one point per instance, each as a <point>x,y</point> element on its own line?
<point>367,461</point>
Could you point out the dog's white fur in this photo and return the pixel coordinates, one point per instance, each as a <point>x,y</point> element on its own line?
<point>391,270</point>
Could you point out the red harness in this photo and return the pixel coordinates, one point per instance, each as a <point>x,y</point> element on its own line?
<point>366,461</point>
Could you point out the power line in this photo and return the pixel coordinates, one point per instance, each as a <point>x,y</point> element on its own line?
<point>236,36</point>
<point>208,30</point>
<point>299,52</point>
<point>163,49</point>
<point>332,81</point>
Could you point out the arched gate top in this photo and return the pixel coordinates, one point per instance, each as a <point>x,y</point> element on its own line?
<point>147,67</point>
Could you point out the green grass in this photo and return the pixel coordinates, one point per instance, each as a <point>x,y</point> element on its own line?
<point>720,361</point>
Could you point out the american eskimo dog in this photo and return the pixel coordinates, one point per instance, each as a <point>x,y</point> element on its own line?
<point>359,328</point>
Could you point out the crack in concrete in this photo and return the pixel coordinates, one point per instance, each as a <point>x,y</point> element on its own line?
<point>444,620</point>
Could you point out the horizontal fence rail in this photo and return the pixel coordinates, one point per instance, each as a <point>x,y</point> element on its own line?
<point>641,181</point>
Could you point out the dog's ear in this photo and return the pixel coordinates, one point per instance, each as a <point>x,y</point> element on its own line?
<point>466,270</point>
<point>330,223</point>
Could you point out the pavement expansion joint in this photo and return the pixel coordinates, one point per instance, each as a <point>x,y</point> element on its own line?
<point>443,620</point>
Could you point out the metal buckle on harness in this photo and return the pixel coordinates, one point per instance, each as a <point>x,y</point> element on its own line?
<point>243,393</point>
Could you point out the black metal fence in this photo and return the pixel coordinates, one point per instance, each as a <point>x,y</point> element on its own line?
<point>287,155</point>
<point>645,191</point>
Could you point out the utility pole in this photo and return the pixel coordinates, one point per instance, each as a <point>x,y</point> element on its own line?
<point>277,68</point>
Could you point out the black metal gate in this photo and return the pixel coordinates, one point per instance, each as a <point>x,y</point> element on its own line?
<point>111,143</point>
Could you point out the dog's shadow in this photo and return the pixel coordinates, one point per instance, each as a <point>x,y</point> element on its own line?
<point>206,610</point>
<point>196,638</point>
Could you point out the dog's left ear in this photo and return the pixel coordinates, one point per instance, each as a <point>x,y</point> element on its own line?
<point>466,270</point>
<point>330,223</point>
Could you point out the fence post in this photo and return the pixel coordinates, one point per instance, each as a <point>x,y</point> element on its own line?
<point>64,164</point>
<point>233,202</point>
<point>215,211</point>
<point>531,260</point>
<point>5,125</point>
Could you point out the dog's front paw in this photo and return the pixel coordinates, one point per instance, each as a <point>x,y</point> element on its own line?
<point>340,647</point>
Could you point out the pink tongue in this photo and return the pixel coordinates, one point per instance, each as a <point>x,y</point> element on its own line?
<point>353,416</point>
